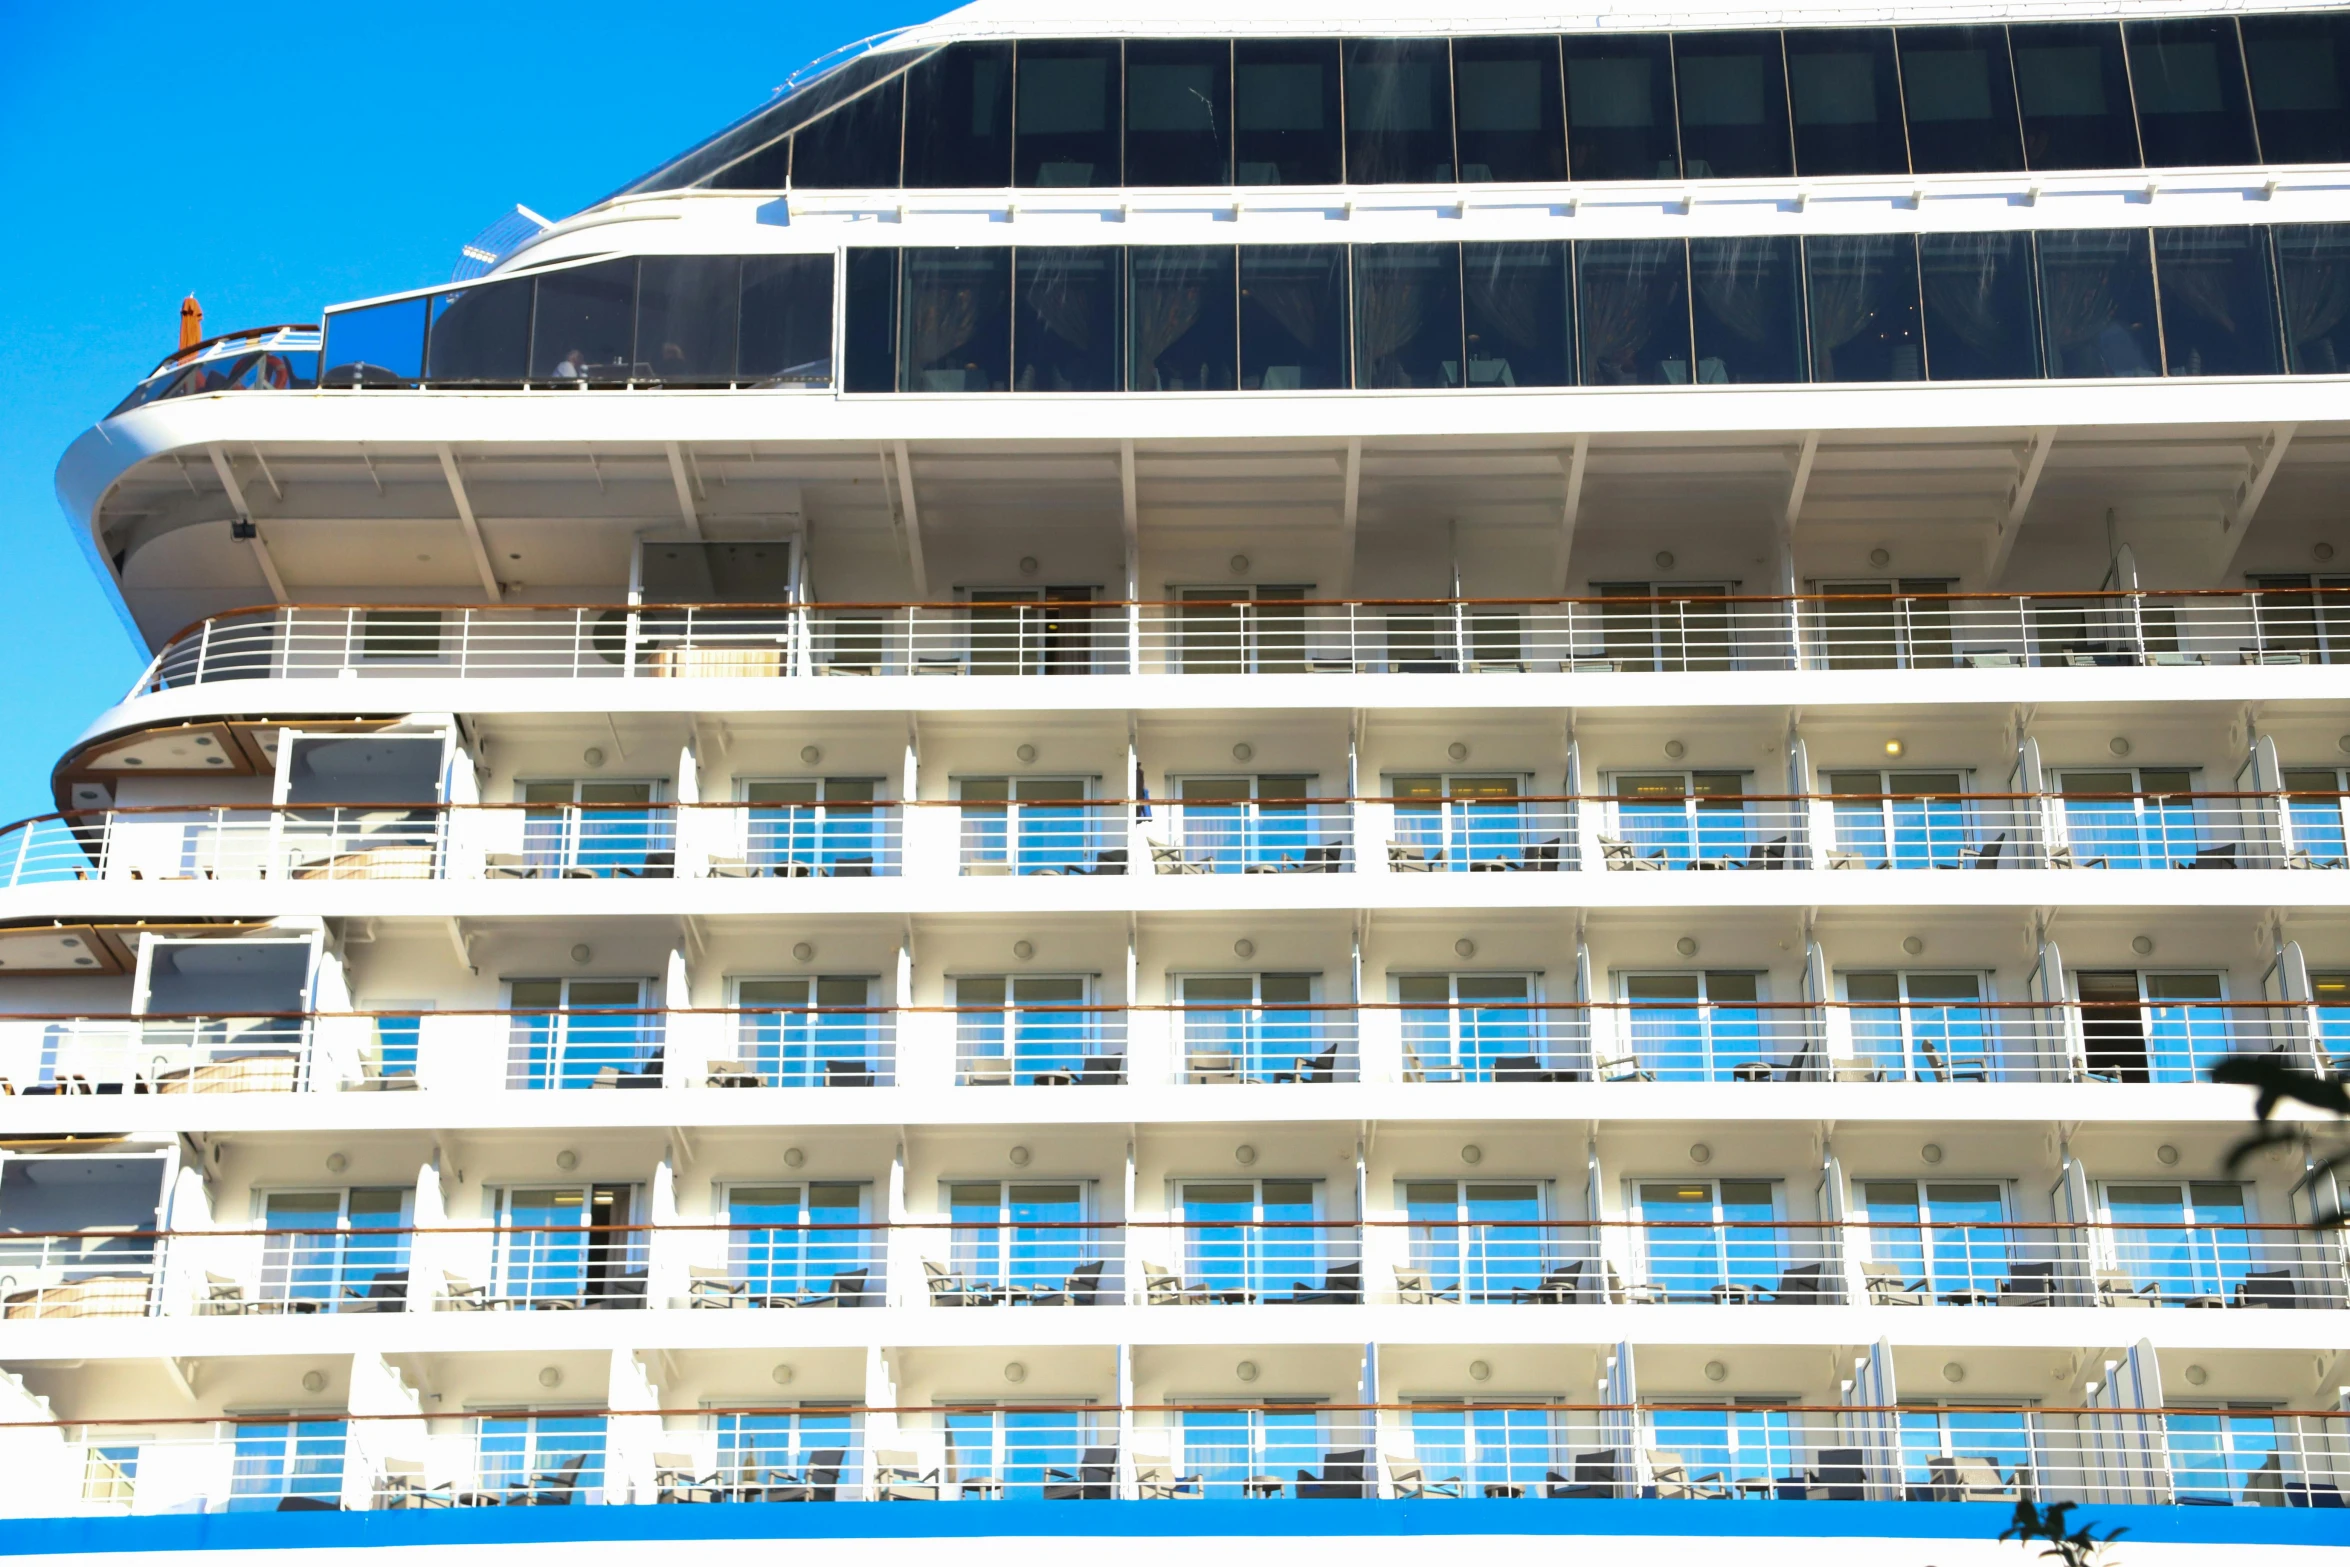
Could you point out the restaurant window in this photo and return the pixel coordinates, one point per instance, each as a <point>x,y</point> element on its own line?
<point>1732,91</point>
<point>1407,315</point>
<point>585,329</point>
<point>2313,279</point>
<point>1285,113</point>
<point>1958,88</point>
<point>1065,319</point>
<point>786,321</point>
<point>480,335</point>
<point>2074,93</point>
<point>2300,69</point>
<point>1620,121</point>
<point>1846,96</point>
<point>855,147</point>
<point>2219,310</point>
<point>1508,115</point>
<point>1981,322</point>
<point>688,309</point>
<point>959,119</point>
<point>2097,304</point>
<point>375,345</point>
<point>955,321</point>
<point>1633,307</point>
<point>1517,314</point>
<point>1178,112</point>
<point>2187,77</point>
<point>1746,299</point>
<point>1399,111</point>
<point>869,326</point>
<point>1183,332</point>
<point>1065,119</point>
<point>1293,317</point>
<point>1864,308</point>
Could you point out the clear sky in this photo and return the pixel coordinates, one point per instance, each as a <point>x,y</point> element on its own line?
<point>272,159</point>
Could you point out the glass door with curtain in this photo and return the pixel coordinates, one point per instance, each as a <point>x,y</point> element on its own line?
<point>1470,1028</point>
<point>1241,1028</point>
<point>2315,802</point>
<point>2152,1028</point>
<point>1756,1447</point>
<point>2230,1457</point>
<point>812,1445</point>
<point>1241,630</point>
<point>1252,1240</point>
<point>336,1250</point>
<point>2290,618</point>
<point>1031,631</point>
<point>791,1243</point>
<point>1481,1240</point>
<point>1251,1454</point>
<point>2137,819</point>
<point>1264,823</point>
<point>1708,1026</point>
<point>1495,1452</point>
<point>1457,822</point>
<point>1675,627</point>
<point>277,1462</point>
<point>1002,1454</point>
<point>1016,1238</point>
<point>1900,624</point>
<point>2182,1243</point>
<point>1912,821</point>
<point>1030,1028</point>
<point>543,1460</point>
<point>581,1033</point>
<point>1710,1240</point>
<point>1949,1236</point>
<point>805,1031</point>
<point>1029,826</point>
<point>1681,821</point>
<point>1927,1028</point>
<point>1932,1437</point>
<point>568,1246</point>
<point>816,827</point>
<point>595,827</point>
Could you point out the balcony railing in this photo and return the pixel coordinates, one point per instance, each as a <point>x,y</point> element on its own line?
<point>1687,635</point>
<point>1500,1449</point>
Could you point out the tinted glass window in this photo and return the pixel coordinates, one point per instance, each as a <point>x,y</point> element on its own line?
<point>1184,332</point>
<point>480,334</point>
<point>1399,111</point>
<point>1066,116</point>
<point>869,326</point>
<point>787,320</point>
<point>955,320</point>
<point>1620,108</point>
<point>2188,78</point>
<point>1517,310</point>
<point>1864,308</point>
<point>1632,303</point>
<point>1293,331</point>
<point>1407,315</point>
<point>1747,299</point>
<point>380,345</point>
<point>2219,312</point>
<point>1732,90</point>
<point>1846,97</point>
<point>1507,113</point>
<point>1285,112</point>
<point>2300,86</point>
<point>1980,321</point>
<point>959,119</point>
<point>586,324</point>
<point>1959,90</point>
<point>2097,303</point>
<point>687,308</point>
<point>1178,113</point>
<point>2074,96</point>
<point>2313,279</point>
<point>767,169</point>
<point>1065,319</point>
<point>855,147</point>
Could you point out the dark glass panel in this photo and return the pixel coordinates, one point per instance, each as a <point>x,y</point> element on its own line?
<point>1398,111</point>
<point>955,319</point>
<point>1517,308</point>
<point>1509,118</point>
<point>2188,79</point>
<point>959,119</point>
<point>2074,94</point>
<point>2097,303</point>
<point>855,147</point>
<point>1285,111</point>
<point>869,324</point>
<point>1732,90</point>
<point>585,329</point>
<point>1407,315</point>
<point>1178,112</point>
<point>2313,279</point>
<point>1183,319</point>
<point>687,309</point>
<point>1632,302</point>
<point>1066,119</point>
<point>1620,108</point>
<point>1864,307</point>
<point>1746,296</point>
<point>480,334</point>
<point>2301,86</point>
<point>787,320</point>
<point>1846,98</point>
<point>767,169</point>
<point>2219,307</point>
<point>1293,332</point>
<point>772,120</point>
<point>1065,319</point>
<point>379,345</point>
<point>1958,86</point>
<point>1980,320</point>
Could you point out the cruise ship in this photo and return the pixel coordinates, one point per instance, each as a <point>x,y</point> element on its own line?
<point>1513,770</point>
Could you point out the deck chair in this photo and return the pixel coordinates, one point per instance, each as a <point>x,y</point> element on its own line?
<point>1561,1286</point>
<point>1964,1479</point>
<point>2028,1284</point>
<point>1094,1480</point>
<point>1593,1476</point>
<point>1165,1287</point>
<point>1411,857</point>
<point>1619,855</point>
<point>1888,1288</point>
<point>1839,1477</point>
<point>1669,1479</point>
<point>899,1477</point>
<point>1413,1289</point>
<point>1083,1287</point>
<point>715,1289</point>
<point>401,1487</point>
<point>1345,1476</point>
<point>1411,1483</point>
<point>674,1480</point>
<point>1155,1480</point>
<point>2117,1288</point>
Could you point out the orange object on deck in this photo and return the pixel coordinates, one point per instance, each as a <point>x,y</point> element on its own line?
<point>191,322</point>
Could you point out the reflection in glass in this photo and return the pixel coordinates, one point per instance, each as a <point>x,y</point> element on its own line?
<point>869,325</point>
<point>1748,304</point>
<point>959,119</point>
<point>480,334</point>
<point>379,345</point>
<point>2075,96</point>
<point>2097,303</point>
<point>1292,317</point>
<point>767,169</point>
<point>2219,314</point>
<point>1067,113</point>
<point>1518,314</point>
<point>1980,324</point>
<point>1620,123</point>
<point>1732,89</point>
<point>2300,67</point>
<point>955,321</point>
<point>1398,111</point>
<point>1864,308</point>
<point>1178,112</point>
<point>1507,115</point>
<point>1635,313</point>
<point>1184,333</point>
<point>855,147</point>
<point>1847,101</point>
<point>1065,322</point>
<point>687,308</point>
<point>787,321</point>
<point>585,327</point>
<point>1959,90</point>
<point>758,136</point>
<point>2188,79</point>
<point>2313,278</point>
<point>1407,315</point>
<point>1285,111</point>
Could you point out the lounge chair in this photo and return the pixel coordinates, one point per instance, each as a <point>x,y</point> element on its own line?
<point>1083,1287</point>
<point>2271,1288</point>
<point>387,1291</point>
<point>1622,1069</point>
<point>1594,1476</point>
<point>2117,1288</point>
<point>401,1487</point>
<point>819,1483</point>
<point>1964,1479</point>
<point>2212,857</point>
<point>1412,1288</point>
<point>1771,856</point>
<point>899,1477</point>
<point>1527,1069</point>
<point>949,1288</point>
<point>1167,860</point>
<point>225,1297</point>
<point>1165,1287</point>
<point>1094,1480</point>
<point>1805,1284</point>
<point>1561,1286</point>
<point>1411,857</point>
<point>1322,1068</point>
<point>550,1488</point>
<point>1669,1479</point>
<point>1983,856</point>
<point>732,1074</point>
<point>1342,1285</point>
<point>1615,1292</point>
<point>715,1289</point>
<point>1854,1069</point>
<point>1887,1287</point>
<point>1345,1476</point>
<point>2028,1284</point>
<point>1411,1482</point>
<point>1214,1066</point>
<point>846,1289</point>
<point>1155,1480</point>
<point>2061,857</point>
<point>674,1480</point>
<point>1840,1476</point>
<point>459,1293</point>
<point>849,1074</point>
<point>1619,855</point>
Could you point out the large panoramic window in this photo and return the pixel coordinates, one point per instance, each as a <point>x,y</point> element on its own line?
<point>869,335</point>
<point>1846,98</point>
<point>1517,314</point>
<point>959,119</point>
<point>2097,304</point>
<point>855,147</point>
<point>1065,119</point>
<point>585,329</point>
<point>1285,111</point>
<point>786,321</point>
<point>1178,112</point>
<point>1981,324</point>
<point>1407,315</point>
<point>2218,303</point>
<point>480,334</point>
<point>1066,319</point>
<point>955,325</point>
<point>2300,69</point>
<point>1864,308</point>
<point>1399,111</point>
<point>1620,123</point>
<point>376,345</point>
<point>688,309</point>
<point>1732,90</point>
<point>2188,79</point>
<point>1746,298</point>
<point>1508,116</point>
<point>2075,95</point>
<point>1634,305</point>
<point>1184,333</point>
<point>1293,327</point>
<point>1958,88</point>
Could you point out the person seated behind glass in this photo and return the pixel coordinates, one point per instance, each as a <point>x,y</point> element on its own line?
<point>572,366</point>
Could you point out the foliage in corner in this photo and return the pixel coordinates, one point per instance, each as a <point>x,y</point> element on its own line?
<point>2275,1082</point>
<point>2080,1548</point>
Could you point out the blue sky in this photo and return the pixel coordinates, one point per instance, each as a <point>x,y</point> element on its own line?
<point>272,159</point>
